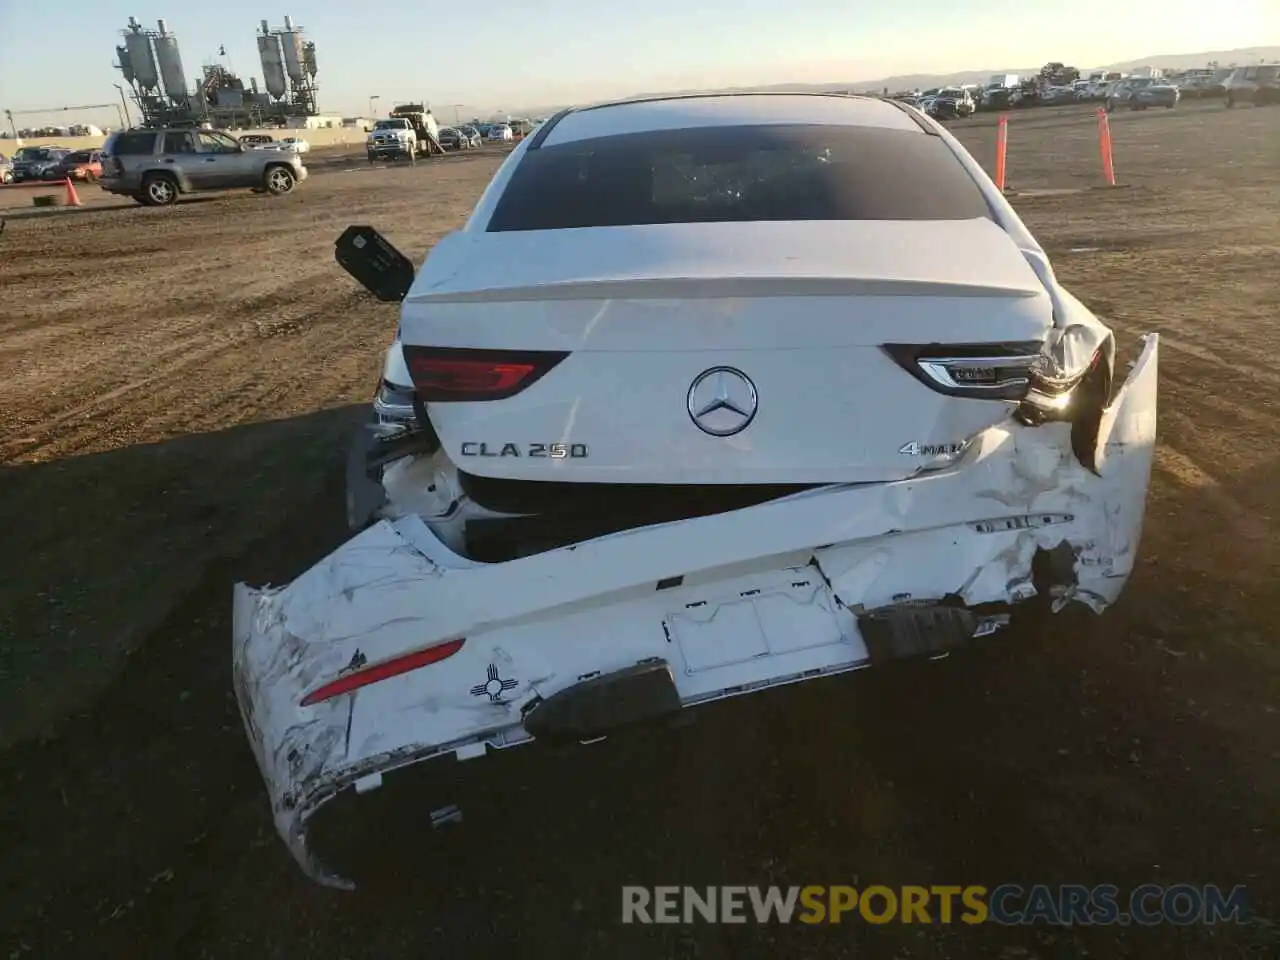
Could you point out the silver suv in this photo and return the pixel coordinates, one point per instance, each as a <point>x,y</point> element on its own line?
<point>155,167</point>
<point>1258,85</point>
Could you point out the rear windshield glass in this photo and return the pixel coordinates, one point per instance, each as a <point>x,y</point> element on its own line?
<point>744,173</point>
<point>132,143</point>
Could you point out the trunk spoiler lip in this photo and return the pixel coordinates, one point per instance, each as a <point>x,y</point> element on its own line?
<point>710,287</point>
<point>743,258</point>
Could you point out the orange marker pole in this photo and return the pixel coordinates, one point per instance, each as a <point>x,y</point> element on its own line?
<point>1104,147</point>
<point>1002,150</point>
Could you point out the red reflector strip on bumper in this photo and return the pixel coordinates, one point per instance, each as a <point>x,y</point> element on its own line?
<point>382,671</point>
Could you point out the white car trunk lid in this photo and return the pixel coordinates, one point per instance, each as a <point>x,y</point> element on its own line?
<point>789,317</point>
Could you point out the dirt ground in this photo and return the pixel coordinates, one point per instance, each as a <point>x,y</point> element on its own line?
<point>176,388</point>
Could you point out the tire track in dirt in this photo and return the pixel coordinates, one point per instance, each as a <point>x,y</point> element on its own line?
<point>270,328</point>
<point>252,315</point>
<point>1241,520</point>
<point>1267,375</point>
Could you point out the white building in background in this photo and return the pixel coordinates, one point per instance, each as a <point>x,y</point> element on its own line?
<point>313,123</point>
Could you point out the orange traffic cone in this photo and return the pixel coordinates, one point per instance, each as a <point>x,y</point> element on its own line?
<point>73,199</point>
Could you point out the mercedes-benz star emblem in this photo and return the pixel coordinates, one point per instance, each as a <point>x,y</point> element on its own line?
<point>722,401</point>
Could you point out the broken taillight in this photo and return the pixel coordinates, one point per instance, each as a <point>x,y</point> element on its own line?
<point>1066,378</point>
<point>1071,356</point>
<point>443,374</point>
<point>980,371</point>
<point>364,675</point>
<point>1041,377</point>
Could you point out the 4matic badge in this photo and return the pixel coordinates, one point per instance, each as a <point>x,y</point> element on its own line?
<point>917,449</point>
<point>494,687</point>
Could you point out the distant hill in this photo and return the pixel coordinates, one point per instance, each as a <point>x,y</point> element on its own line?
<point>1184,61</point>
<point>912,81</point>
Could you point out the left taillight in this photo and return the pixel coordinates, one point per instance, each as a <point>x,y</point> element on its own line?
<point>445,374</point>
<point>365,674</point>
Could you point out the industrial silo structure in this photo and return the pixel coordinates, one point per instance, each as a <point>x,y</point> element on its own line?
<point>171,72</point>
<point>126,66</point>
<point>291,45</point>
<point>272,63</point>
<point>141,59</point>
<point>289,68</point>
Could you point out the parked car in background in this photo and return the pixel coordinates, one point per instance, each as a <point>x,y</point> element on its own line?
<point>1139,93</point>
<point>500,132</point>
<point>451,138</point>
<point>1205,86</point>
<point>1053,96</point>
<point>472,135</point>
<point>951,103</point>
<point>32,163</point>
<point>1217,87</point>
<point>291,145</point>
<point>257,140</point>
<point>997,97</point>
<point>83,165</point>
<point>155,167</point>
<point>1259,85</point>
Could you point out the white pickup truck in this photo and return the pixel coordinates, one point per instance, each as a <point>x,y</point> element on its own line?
<point>391,138</point>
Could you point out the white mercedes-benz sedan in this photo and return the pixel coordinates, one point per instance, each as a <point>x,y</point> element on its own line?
<point>710,394</point>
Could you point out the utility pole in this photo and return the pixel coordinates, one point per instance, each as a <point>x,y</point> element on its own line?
<point>371,99</point>
<point>128,121</point>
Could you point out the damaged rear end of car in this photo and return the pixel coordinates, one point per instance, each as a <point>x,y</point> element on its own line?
<point>614,472</point>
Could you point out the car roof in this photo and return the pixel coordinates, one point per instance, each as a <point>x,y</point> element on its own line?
<point>679,112</point>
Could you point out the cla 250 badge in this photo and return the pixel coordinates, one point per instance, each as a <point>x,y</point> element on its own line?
<point>556,451</point>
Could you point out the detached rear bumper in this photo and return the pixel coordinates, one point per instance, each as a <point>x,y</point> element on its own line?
<point>819,583</point>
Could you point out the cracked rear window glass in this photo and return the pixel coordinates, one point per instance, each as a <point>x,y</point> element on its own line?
<point>739,173</point>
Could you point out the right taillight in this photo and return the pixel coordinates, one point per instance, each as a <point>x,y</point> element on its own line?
<point>454,374</point>
<point>1074,361</point>
<point>1065,378</point>
<point>978,371</point>
<point>1041,377</point>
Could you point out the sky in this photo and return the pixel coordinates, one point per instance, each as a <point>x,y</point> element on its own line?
<point>490,56</point>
